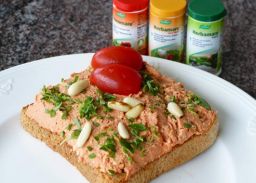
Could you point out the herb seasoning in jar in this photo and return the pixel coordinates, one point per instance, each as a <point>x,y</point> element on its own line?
<point>205,23</point>
<point>130,24</point>
<point>166,29</point>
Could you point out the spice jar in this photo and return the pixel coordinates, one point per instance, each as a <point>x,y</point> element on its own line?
<point>204,32</point>
<point>166,29</point>
<point>130,24</point>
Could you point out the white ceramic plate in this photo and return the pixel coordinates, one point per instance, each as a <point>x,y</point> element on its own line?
<point>25,159</point>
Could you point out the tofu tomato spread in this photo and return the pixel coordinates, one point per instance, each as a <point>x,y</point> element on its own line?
<point>121,133</point>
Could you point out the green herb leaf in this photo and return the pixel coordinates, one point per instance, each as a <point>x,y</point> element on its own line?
<point>74,80</point>
<point>115,134</point>
<point>51,112</point>
<point>143,152</point>
<point>109,117</point>
<point>173,99</point>
<point>92,155</point>
<point>88,108</point>
<point>131,120</point>
<point>126,145</point>
<point>96,124</point>
<point>166,112</point>
<point>108,97</point>
<point>77,123</point>
<point>100,135</point>
<point>200,101</point>
<point>137,128</point>
<point>187,125</point>
<point>61,101</point>
<point>137,142</point>
<point>149,85</point>
<point>62,134</point>
<point>154,131</point>
<point>69,126</point>
<point>103,100</point>
<point>111,172</point>
<point>89,148</point>
<point>130,146</point>
<point>64,115</point>
<point>109,146</point>
<point>75,134</point>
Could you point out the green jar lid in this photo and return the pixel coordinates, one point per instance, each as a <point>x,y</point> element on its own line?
<point>206,10</point>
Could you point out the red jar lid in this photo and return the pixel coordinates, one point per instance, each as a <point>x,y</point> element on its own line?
<point>131,5</point>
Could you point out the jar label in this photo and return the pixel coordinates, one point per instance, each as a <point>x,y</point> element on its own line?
<point>166,36</point>
<point>130,29</point>
<point>203,45</point>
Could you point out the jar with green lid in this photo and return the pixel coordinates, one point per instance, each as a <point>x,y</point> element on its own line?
<point>204,34</point>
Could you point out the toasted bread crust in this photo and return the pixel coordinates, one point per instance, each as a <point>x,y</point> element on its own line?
<point>179,155</point>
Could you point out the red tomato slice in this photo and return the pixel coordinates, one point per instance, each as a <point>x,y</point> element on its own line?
<point>117,55</point>
<point>116,78</point>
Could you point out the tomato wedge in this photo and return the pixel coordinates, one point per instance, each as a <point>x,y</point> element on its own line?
<point>116,78</point>
<point>117,55</point>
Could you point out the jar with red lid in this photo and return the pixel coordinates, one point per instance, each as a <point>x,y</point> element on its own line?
<point>130,24</point>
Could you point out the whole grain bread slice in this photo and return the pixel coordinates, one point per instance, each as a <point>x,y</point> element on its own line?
<point>179,155</point>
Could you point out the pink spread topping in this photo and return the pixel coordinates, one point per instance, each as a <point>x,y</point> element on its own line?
<point>163,131</point>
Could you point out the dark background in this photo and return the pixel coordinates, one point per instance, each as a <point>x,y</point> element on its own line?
<point>35,29</point>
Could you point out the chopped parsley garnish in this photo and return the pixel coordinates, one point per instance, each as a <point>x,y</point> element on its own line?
<point>166,112</point>
<point>137,128</point>
<point>173,99</point>
<point>62,134</point>
<point>154,131</point>
<point>89,148</point>
<point>92,155</point>
<point>51,112</point>
<point>152,107</point>
<point>143,152</point>
<point>88,108</point>
<point>99,117</point>
<point>74,80</point>
<point>96,124</point>
<point>115,134</point>
<point>131,120</point>
<point>111,172</point>
<point>149,85</point>
<point>109,146</point>
<point>187,125</point>
<point>137,142</point>
<point>100,135</point>
<point>127,146</point>
<point>77,123</point>
<point>200,101</point>
<point>75,134</point>
<point>109,117</point>
<point>108,97</point>
<point>69,126</point>
<point>104,98</point>
<point>61,101</point>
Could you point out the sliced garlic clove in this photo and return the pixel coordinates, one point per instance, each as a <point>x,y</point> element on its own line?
<point>119,106</point>
<point>131,101</point>
<point>135,111</point>
<point>77,87</point>
<point>84,135</point>
<point>123,131</point>
<point>174,109</point>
